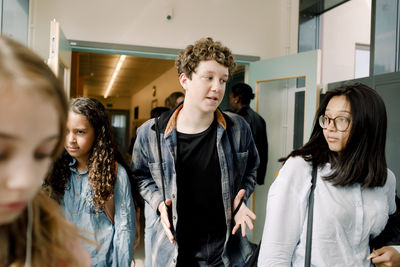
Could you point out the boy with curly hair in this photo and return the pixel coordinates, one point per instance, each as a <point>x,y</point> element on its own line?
<point>207,169</point>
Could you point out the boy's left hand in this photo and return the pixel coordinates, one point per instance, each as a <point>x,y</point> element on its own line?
<point>244,216</point>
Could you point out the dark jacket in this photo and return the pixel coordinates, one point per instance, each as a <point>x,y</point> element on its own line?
<point>146,167</point>
<point>259,130</point>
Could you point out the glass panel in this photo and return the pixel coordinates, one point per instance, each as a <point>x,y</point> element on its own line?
<point>385,36</point>
<point>309,29</point>
<point>361,68</point>
<point>391,94</point>
<point>15,20</point>
<point>1,16</point>
<point>118,121</point>
<point>339,38</point>
<point>301,82</point>
<point>298,119</point>
<point>317,7</point>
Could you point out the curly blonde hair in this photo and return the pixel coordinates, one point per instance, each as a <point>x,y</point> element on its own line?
<point>53,237</point>
<point>52,234</point>
<point>103,155</point>
<point>204,49</point>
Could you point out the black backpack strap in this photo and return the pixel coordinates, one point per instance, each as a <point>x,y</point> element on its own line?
<point>235,160</point>
<point>160,157</point>
<point>307,262</point>
<point>169,208</point>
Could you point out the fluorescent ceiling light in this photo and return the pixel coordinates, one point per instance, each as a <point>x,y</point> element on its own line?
<point>114,76</point>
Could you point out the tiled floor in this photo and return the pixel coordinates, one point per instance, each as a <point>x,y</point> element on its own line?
<point>139,252</point>
<point>139,256</point>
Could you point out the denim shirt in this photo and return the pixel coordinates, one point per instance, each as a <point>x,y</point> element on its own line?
<point>115,241</point>
<point>146,167</point>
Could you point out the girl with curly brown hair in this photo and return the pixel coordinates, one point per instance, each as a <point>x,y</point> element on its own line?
<point>33,231</point>
<point>91,182</point>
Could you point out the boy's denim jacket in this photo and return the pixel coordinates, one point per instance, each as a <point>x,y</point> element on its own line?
<point>146,167</point>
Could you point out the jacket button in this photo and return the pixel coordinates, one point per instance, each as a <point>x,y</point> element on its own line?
<point>173,195</point>
<point>174,217</point>
<point>174,260</point>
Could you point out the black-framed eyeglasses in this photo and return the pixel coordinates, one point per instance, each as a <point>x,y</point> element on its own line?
<point>341,123</point>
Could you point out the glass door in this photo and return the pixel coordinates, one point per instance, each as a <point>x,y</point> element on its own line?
<point>286,97</point>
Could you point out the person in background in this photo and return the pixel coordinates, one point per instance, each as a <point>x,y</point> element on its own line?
<point>239,98</point>
<point>33,230</point>
<point>354,192</point>
<point>174,99</point>
<point>208,168</point>
<point>91,182</point>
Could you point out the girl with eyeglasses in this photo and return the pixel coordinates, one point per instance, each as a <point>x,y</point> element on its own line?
<point>354,193</point>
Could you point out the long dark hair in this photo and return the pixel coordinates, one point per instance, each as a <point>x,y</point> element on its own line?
<point>102,158</point>
<point>363,159</point>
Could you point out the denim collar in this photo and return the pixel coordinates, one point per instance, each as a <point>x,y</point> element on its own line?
<point>72,167</point>
<point>168,119</point>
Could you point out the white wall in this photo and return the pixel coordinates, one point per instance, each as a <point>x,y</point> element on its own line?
<point>116,102</point>
<point>1,14</point>
<point>265,28</point>
<point>165,84</point>
<point>342,28</point>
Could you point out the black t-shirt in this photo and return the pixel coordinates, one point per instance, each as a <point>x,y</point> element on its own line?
<point>200,208</point>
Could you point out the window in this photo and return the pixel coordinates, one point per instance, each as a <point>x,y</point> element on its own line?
<point>118,121</point>
<point>385,36</point>
<point>361,61</point>
<point>14,17</point>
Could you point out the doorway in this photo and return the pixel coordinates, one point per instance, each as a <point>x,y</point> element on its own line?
<point>120,124</point>
<point>283,110</point>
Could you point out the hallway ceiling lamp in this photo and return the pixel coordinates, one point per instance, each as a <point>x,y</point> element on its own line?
<point>114,76</point>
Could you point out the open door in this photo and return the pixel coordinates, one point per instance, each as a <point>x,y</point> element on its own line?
<point>60,55</point>
<point>286,95</point>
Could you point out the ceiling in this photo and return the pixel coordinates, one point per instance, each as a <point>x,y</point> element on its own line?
<point>135,73</point>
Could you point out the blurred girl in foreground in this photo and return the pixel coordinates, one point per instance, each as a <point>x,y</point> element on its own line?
<point>33,231</point>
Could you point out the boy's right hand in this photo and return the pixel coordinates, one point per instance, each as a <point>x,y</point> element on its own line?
<point>162,209</point>
<point>385,256</point>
